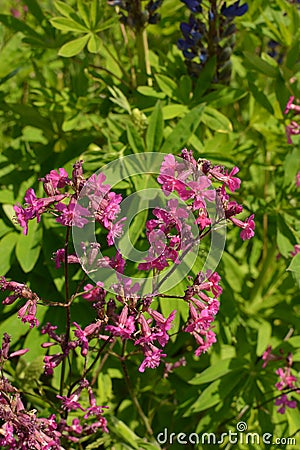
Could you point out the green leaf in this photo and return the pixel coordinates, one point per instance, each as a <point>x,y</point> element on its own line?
<point>174,110</point>
<point>290,166</point>
<point>216,120</point>
<point>94,44</point>
<point>35,9</point>
<point>18,25</point>
<point>284,243</point>
<point>66,24</point>
<point>183,130</point>
<point>295,266</point>
<point>150,92</point>
<point>256,63</point>
<point>65,9</point>
<point>166,84</point>
<point>119,98</point>
<point>134,139</point>
<point>155,129</point>
<point>124,433</point>
<point>218,370</point>
<point>94,14</point>
<point>105,25</point>
<point>28,247</point>
<point>83,11</point>
<point>285,237</point>
<point>204,80</point>
<point>74,47</point>
<point>216,392</point>
<point>261,98</point>
<point>7,245</point>
<point>263,337</point>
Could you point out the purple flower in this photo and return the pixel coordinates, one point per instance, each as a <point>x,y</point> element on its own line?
<point>234,10</point>
<point>70,403</point>
<point>193,5</point>
<point>284,402</point>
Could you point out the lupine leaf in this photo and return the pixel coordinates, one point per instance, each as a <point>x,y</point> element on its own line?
<point>154,133</point>
<point>183,130</point>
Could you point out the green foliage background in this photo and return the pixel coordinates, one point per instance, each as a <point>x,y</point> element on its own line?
<point>71,89</point>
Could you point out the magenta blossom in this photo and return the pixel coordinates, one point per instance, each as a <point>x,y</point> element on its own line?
<point>247,227</point>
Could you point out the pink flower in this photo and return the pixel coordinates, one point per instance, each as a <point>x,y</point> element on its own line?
<point>124,326</point>
<point>286,379</point>
<point>72,214</point>
<point>115,231</point>
<point>28,312</point>
<point>247,227</point>
<point>70,403</point>
<point>291,106</point>
<point>298,179</point>
<point>152,359</point>
<point>200,192</point>
<point>296,250</point>
<point>269,356</point>
<point>232,182</point>
<point>292,129</point>
<point>94,293</point>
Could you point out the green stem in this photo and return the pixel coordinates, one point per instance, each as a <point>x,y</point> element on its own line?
<point>133,396</point>
<point>144,71</point>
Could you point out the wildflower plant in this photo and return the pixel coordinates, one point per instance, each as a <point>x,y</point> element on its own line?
<point>131,315</point>
<point>141,284</point>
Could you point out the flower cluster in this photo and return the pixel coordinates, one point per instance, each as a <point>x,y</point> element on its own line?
<point>63,205</point>
<point>210,32</point>
<point>191,188</point>
<point>134,15</point>
<point>293,128</point>
<point>286,382</point>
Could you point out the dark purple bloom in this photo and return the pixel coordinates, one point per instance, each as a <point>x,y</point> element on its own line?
<point>234,10</point>
<point>193,5</point>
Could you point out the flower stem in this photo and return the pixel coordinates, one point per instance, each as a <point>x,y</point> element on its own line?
<point>133,396</point>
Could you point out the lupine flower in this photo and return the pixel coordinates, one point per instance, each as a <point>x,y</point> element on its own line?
<point>298,179</point>
<point>134,16</point>
<point>234,10</point>
<point>212,35</point>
